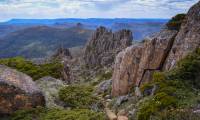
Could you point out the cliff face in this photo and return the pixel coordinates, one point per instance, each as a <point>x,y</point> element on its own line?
<point>135,65</point>
<point>104,45</point>
<point>18,91</point>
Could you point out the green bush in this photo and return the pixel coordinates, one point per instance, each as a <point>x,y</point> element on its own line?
<point>78,96</point>
<point>35,71</point>
<point>176,21</point>
<point>57,114</point>
<point>154,105</point>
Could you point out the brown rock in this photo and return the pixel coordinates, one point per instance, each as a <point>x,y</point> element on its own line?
<point>17,91</point>
<point>188,38</point>
<point>102,48</point>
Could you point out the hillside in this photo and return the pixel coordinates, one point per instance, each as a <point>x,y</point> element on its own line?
<point>41,41</point>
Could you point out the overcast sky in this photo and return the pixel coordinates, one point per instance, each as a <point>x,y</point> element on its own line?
<point>92,8</point>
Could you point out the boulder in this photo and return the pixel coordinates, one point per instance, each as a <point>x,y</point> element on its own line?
<point>18,91</point>
<point>50,88</point>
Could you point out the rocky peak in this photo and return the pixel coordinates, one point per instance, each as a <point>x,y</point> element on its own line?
<point>103,46</point>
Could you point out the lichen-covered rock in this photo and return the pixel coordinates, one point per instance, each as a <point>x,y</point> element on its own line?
<point>133,65</point>
<point>102,48</point>
<point>188,38</point>
<point>50,88</point>
<point>17,91</point>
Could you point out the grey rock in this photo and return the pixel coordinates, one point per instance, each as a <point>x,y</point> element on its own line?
<point>102,48</point>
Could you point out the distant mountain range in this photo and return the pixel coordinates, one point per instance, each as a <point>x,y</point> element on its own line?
<point>41,41</point>
<point>33,38</point>
<point>91,21</point>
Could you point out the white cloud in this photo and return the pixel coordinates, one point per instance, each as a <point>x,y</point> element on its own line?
<point>92,8</point>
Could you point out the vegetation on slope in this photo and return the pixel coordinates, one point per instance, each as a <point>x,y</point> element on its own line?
<point>176,21</point>
<point>57,114</point>
<point>35,71</point>
<point>177,92</point>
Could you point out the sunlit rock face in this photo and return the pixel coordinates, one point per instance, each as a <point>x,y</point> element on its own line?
<point>17,91</point>
<point>134,65</point>
<point>188,38</point>
<point>104,45</point>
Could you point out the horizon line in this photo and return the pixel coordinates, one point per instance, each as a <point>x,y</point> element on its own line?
<point>77,18</point>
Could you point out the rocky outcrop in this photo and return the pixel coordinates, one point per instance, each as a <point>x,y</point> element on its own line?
<point>62,53</point>
<point>17,91</point>
<point>104,45</point>
<point>64,56</point>
<point>50,88</point>
<point>188,38</point>
<point>137,61</point>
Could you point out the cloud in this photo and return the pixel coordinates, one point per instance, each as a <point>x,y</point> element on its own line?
<point>92,8</point>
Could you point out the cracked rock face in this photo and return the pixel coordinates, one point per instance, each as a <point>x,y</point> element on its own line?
<point>136,62</point>
<point>104,45</point>
<point>17,91</point>
<point>188,38</point>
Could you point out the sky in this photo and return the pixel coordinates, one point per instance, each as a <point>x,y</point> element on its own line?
<point>50,9</point>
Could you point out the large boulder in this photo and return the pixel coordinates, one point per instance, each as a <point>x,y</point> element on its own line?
<point>188,38</point>
<point>133,65</point>
<point>17,91</point>
<point>104,45</point>
<point>50,88</point>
